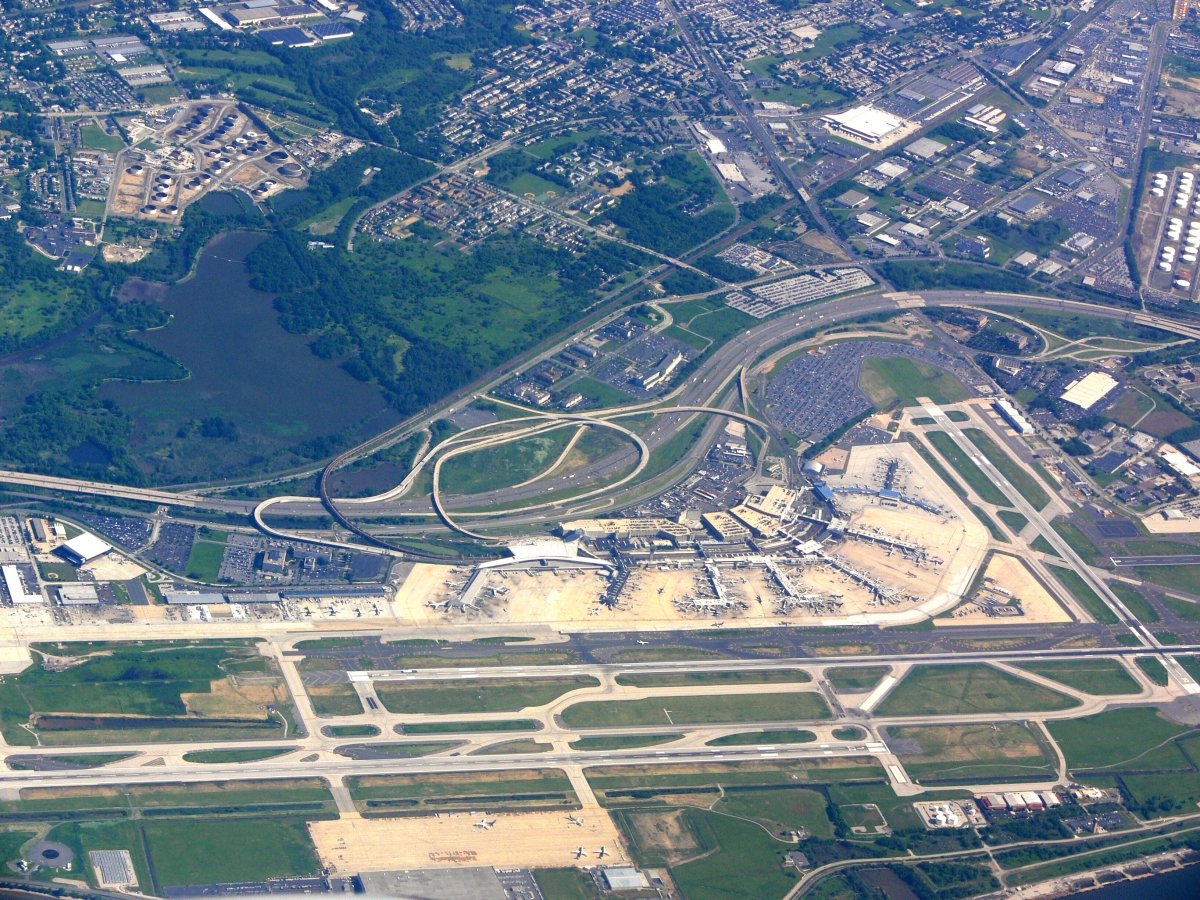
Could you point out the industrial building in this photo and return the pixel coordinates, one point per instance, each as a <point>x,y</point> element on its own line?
<point>865,123</point>
<point>15,585</point>
<point>1013,417</point>
<point>77,594</point>
<point>83,549</point>
<point>1089,390</point>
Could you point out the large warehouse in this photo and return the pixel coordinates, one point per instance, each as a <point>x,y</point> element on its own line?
<point>865,123</point>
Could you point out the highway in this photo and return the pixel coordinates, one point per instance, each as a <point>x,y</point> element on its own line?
<point>699,390</point>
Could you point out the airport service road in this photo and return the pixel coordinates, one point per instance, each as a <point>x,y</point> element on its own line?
<point>1190,559</point>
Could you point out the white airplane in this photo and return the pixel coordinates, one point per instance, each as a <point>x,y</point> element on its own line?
<point>580,852</point>
<point>485,824</point>
<point>574,820</point>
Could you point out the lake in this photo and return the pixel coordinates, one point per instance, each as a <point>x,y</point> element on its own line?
<point>1180,884</point>
<point>245,370</point>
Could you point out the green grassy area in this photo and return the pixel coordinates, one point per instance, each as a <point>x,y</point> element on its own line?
<point>96,138</point>
<point>697,710</point>
<point>54,571</point>
<point>1160,548</point>
<point>1135,602</point>
<point>508,464</point>
<point>231,800</point>
<point>471,727</point>
<point>965,466</point>
<point>67,760</point>
<point>663,654</point>
<point>597,393</point>
<point>1025,483</point>
<point>334,700</point>
<point>565,884</point>
<point>688,679</point>
<point>325,222</point>
<point>1154,669</point>
<point>83,838</point>
<point>1012,519</point>
<point>1092,676</point>
<point>739,859</point>
<point>1088,599</point>
<point>1080,543</point>
<point>1042,545</point>
<point>988,523</point>
<point>396,751</point>
<point>933,463</point>
<point>759,738</point>
<point>505,747</point>
<point>1122,739</point>
<point>216,757</point>
<point>502,658</point>
<point>897,381</point>
<point>855,679</point>
<point>140,687</point>
<point>204,560</point>
<point>623,741</point>
<point>476,696</point>
<point>345,643</point>
<point>637,785</point>
<point>1177,578</point>
<point>958,689</point>
<point>229,850</point>
<point>1080,327</point>
<point>352,730</point>
<point>959,754</point>
<point>780,811</point>
<point>465,791</point>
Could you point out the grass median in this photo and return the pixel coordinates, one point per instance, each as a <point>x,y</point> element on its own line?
<point>983,486</point>
<point>1097,677</point>
<point>476,695</point>
<point>1025,483</point>
<point>958,689</point>
<point>697,710</point>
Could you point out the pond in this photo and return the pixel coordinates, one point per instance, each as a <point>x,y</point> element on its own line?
<point>264,385</point>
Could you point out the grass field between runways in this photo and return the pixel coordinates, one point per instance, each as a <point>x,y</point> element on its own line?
<point>1097,677</point>
<point>958,689</point>
<point>477,695</point>
<point>966,753</point>
<point>696,710</point>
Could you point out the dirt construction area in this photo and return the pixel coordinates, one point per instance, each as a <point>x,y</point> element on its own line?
<point>514,840</point>
<point>1010,574</point>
